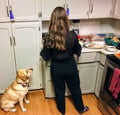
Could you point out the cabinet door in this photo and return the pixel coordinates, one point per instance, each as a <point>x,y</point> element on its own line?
<point>24,10</point>
<point>100,8</point>
<point>48,6</point>
<point>27,48</point>
<point>87,74</point>
<point>7,65</point>
<point>117,9</point>
<point>4,16</point>
<point>102,58</point>
<point>99,79</point>
<point>78,9</point>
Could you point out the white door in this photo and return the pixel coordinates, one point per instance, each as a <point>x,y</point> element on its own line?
<point>24,10</point>
<point>27,48</point>
<point>4,11</point>
<point>48,6</point>
<point>100,8</point>
<point>7,65</point>
<point>78,9</point>
<point>117,10</point>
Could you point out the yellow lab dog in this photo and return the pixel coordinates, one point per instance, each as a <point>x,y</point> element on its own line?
<point>17,91</point>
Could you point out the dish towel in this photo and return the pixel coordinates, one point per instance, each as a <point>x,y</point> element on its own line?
<point>115,83</point>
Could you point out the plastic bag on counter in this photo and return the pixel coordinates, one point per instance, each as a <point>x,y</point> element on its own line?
<point>113,41</point>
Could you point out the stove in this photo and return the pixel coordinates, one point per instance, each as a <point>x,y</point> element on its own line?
<point>107,103</point>
<point>114,59</point>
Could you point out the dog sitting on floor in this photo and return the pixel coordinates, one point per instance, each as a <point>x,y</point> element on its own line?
<point>17,91</point>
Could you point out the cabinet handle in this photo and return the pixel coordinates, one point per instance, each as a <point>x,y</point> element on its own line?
<point>7,11</point>
<point>64,5</point>
<point>11,41</point>
<point>91,8</point>
<point>39,14</point>
<point>87,13</point>
<point>39,28</point>
<point>111,13</point>
<point>10,7</point>
<point>40,59</point>
<point>14,40</point>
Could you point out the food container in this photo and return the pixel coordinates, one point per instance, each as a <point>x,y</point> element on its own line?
<point>117,54</point>
<point>112,41</point>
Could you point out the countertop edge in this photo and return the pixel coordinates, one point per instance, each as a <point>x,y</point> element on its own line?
<point>86,50</point>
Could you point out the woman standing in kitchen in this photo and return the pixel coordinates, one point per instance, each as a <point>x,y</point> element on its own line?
<point>60,45</point>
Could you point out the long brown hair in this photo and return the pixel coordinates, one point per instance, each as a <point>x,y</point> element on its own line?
<point>57,29</point>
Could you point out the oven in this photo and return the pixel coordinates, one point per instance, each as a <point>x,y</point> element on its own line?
<point>107,102</point>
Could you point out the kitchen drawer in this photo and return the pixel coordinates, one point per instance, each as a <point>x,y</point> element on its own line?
<point>88,57</point>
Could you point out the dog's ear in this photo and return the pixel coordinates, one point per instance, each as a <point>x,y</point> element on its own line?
<point>29,71</point>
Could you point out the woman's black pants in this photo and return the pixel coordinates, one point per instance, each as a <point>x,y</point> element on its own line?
<point>65,72</point>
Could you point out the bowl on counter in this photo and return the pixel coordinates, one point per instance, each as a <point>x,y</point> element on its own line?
<point>111,48</point>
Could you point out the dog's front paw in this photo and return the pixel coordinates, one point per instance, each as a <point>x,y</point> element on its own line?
<point>13,110</point>
<point>27,101</point>
<point>24,110</point>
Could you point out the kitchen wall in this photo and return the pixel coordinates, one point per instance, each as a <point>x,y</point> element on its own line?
<point>116,27</point>
<point>96,26</point>
<point>89,26</point>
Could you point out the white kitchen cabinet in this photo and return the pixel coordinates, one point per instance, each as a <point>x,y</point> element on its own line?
<point>47,83</point>
<point>87,68</point>
<point>27,48</point>
<point>78,9</point>
<point>87,74</point>
<point>4,15</point>
<point>48,6</point>
<point>100,8</point>
<point>23,44</point>
<point>7,64</point>
<point>117,9</point>
<point>99,79</point>
<point>23,10</point>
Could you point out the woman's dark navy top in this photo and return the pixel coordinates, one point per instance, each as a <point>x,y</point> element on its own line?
<point>72,47</point>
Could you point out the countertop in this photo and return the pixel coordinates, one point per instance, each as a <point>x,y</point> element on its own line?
<point>103,50</point>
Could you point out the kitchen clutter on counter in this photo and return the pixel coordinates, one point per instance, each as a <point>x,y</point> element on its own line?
<point>115,41</point>
<point>95,44</point>
<point>95,41</point>
<point>109,42</point>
